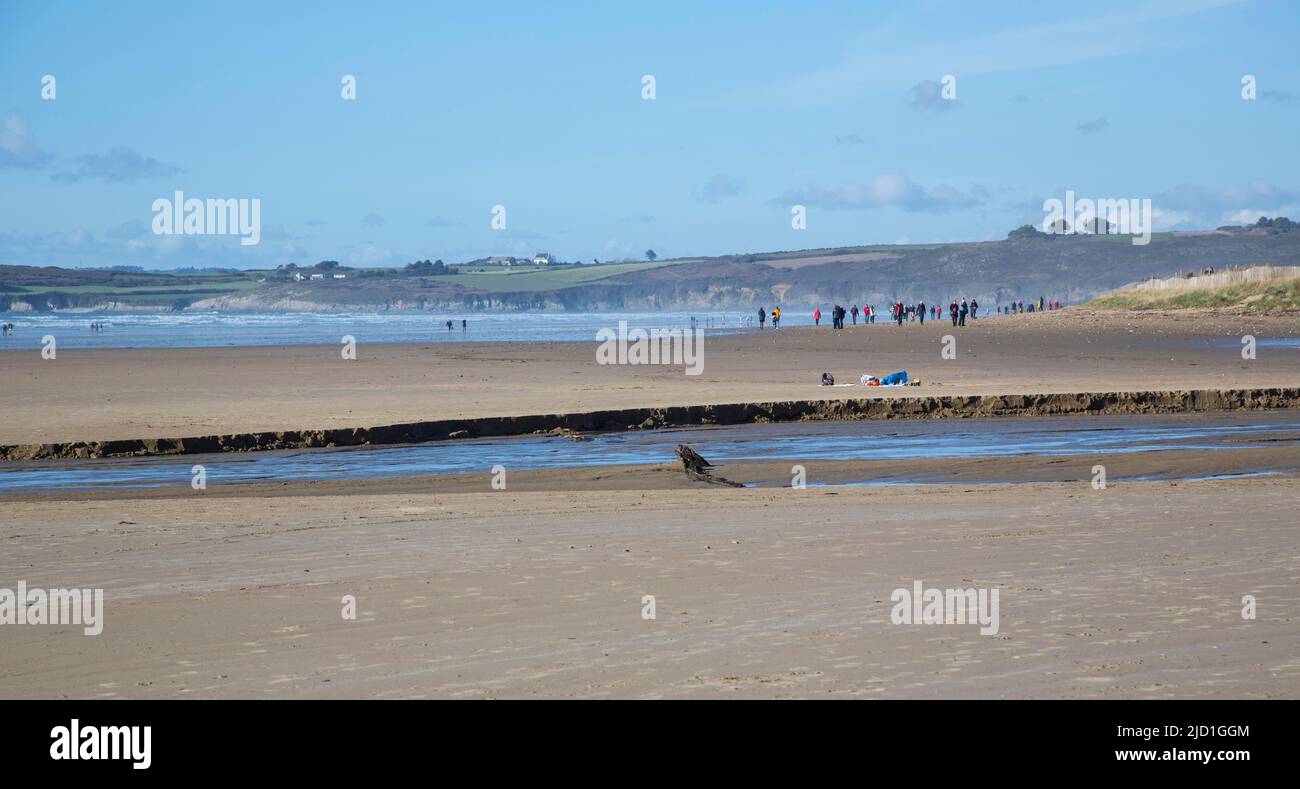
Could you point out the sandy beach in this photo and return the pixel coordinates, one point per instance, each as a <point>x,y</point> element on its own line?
<point>462,591</point>
<point>88,395</point>
<point>1134,591</point>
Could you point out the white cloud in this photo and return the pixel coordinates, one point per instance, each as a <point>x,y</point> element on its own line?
<point>1189,206</point>
<point>885,191</point>
<point>18,147</point>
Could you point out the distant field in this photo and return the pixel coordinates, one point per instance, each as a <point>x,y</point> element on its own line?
<point>550,278</point>
<point>1259,290</point>
<point>187,288</point>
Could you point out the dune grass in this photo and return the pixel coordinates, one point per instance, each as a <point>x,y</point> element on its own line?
<point>1266,293</point>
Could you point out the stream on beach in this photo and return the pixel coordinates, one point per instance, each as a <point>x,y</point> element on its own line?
<point>798,441</point>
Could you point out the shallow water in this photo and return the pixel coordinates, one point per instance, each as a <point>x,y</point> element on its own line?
<point>803,441</point>
<point>209,329</point>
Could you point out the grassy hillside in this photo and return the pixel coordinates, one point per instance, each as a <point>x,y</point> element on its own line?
<point>1256,290</point>
<point>508,281</point>
<point>1071,269</point>
<point>55,288</point>
<point>52,288</point>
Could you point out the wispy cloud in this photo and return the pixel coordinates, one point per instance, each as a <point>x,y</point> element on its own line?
<point>1094,126</point>
<point>131,242</point>
<point>886,191</point>
<point>880,60</point>
<point>927,95</point>
<point>372,220</point>
<point>518,235</point>
<point>368,254</point>
<point>277,233</point>
<point>133,228</point>
<point>119,165</point>
<point>720,186</point>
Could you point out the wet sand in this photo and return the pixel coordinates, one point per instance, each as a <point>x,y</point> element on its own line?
<point>1131,591</point>
<point>1281,460</point>
<point>87,395</point>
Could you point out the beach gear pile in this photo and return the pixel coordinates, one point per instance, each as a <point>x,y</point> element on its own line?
<point>893,379</point>
<point>899,378</point>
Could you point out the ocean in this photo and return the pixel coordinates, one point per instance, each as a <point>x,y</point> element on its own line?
<point>211,329</point>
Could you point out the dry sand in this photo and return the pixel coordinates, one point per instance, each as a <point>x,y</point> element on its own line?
<point>1132,591</point>
<point>86,395</point>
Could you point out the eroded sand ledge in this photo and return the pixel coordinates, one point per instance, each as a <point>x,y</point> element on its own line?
<point>942,407</point>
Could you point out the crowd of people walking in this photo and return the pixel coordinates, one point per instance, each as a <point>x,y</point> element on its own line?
<point>958,311</point>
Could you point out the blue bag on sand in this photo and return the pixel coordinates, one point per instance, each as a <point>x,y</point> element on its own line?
<point>894,379</point>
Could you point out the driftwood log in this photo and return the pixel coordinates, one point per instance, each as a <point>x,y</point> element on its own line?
<point>699,469</point>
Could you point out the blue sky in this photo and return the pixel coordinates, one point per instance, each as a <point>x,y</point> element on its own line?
<point>538,107</point>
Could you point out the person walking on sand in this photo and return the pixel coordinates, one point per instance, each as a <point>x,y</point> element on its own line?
<point>776,317</point>
<point>762,317</point>
<point>817,317</point>
<point>920,310</point>
<point>961,316</point>
<point>854,312</point>
<point>952,311</point>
